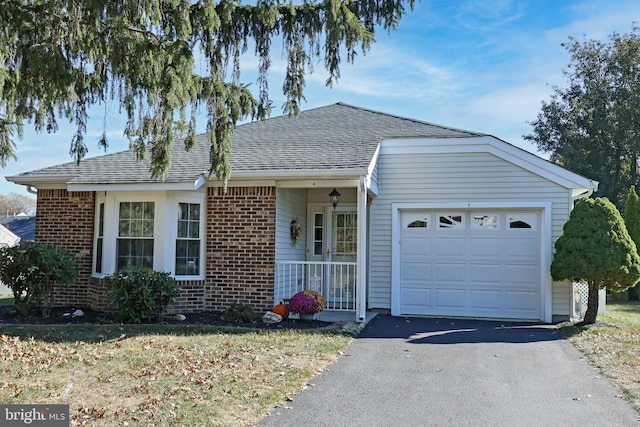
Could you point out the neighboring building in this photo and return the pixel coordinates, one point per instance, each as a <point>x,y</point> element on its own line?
<point>22,225</point>
<point>8,238</point>
<point>431,220</point>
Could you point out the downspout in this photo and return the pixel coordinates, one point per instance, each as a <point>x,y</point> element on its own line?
<point>361,259</point>
<point>32,190</point>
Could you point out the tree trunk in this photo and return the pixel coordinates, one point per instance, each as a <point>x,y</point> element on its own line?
<point>592,304</point>
<point>21,303</point>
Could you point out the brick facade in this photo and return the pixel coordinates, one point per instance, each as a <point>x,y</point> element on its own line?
<point>67,219</point>
<point>241,248</point>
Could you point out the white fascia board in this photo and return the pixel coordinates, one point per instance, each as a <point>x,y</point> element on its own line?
<point>37,181</point>
<point>299,174</point>
<point>242,183</point>
<point>319,183</point>
<point>146,186</point>
<point>371,184</point>
<point>494,146</point>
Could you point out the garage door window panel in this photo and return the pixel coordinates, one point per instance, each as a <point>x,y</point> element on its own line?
<point>485,222</point>
<point>415,221</point>
<point>454,221</point>
<point>523,221</point>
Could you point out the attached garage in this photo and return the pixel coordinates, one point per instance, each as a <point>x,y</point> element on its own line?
<point>478,263</point>
<point>470,225</point>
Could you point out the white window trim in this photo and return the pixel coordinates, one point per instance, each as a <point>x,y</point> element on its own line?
<point>173,200</point>
<point>100,199</point>
<point>165,230</point>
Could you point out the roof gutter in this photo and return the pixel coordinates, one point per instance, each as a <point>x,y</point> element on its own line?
<point>34,180</point>
<point>581,193</point>
<point>299,173</point>
<point>191,185</point>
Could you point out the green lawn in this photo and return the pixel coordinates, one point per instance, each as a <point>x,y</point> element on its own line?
<point>160,375</point>
<point>6,299</point>
<point>613,346</point>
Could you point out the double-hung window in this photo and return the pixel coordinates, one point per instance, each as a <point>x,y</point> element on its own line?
<point>188,240</point>
<point>162,230</point>
<point>135,235</point>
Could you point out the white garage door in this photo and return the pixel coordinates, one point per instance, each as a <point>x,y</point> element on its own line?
<point>470,263</point>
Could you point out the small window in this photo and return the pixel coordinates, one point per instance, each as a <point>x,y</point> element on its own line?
<point>484,222</point>
<point>450,221</point>
<point>318,233</point>
<point>523,221</point>
<point>416,219</point>
<point>99,239</point>
<point>519,224</point>
<point>188,240</point>
<point>419,223</point>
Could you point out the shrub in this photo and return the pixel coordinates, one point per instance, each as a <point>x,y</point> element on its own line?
<point>141,294</point>
<point>595,247</point>
<point>240,313</point>
<point>632,222</point>
<point>32,270</point>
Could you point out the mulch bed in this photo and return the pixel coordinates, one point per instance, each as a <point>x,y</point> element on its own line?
<point>62,316</point>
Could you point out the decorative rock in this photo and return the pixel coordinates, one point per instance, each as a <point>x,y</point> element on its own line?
<point>270,318</point>
<point>180,317</point>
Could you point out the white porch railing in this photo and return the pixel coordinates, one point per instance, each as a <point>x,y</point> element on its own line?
<point>335,280</point>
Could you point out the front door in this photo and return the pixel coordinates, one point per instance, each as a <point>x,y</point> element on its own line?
<point>334,242</point>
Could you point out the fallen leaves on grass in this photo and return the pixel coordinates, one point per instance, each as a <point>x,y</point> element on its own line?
<point>203,378</point>
<point>613,346</point>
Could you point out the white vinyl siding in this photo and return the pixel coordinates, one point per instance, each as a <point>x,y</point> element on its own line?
<point>452,177</point>
<point>290,204</point>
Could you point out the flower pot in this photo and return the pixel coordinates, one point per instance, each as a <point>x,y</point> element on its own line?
<point>306,317</point>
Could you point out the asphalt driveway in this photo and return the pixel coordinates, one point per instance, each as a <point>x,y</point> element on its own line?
<point>443,372</point>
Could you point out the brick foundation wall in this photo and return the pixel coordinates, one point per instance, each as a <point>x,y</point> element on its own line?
<point>98,296</point>
<point>67,219</point>
<point>190,300</point>
<point>192,297</point>
<point>240,254</point>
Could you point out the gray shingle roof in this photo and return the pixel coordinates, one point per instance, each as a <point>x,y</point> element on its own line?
<point>337,137</point>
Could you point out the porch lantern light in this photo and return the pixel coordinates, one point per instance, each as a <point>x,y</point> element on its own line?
<point>334,197</point>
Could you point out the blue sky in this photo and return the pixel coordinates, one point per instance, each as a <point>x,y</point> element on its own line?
<point>480,65</point>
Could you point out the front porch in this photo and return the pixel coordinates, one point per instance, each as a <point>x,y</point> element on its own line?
<point>321,244</point>
<point>336,281</point>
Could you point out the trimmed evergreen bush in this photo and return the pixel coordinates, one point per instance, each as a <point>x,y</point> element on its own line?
<point>632,222</point>
<point>596,248</point>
